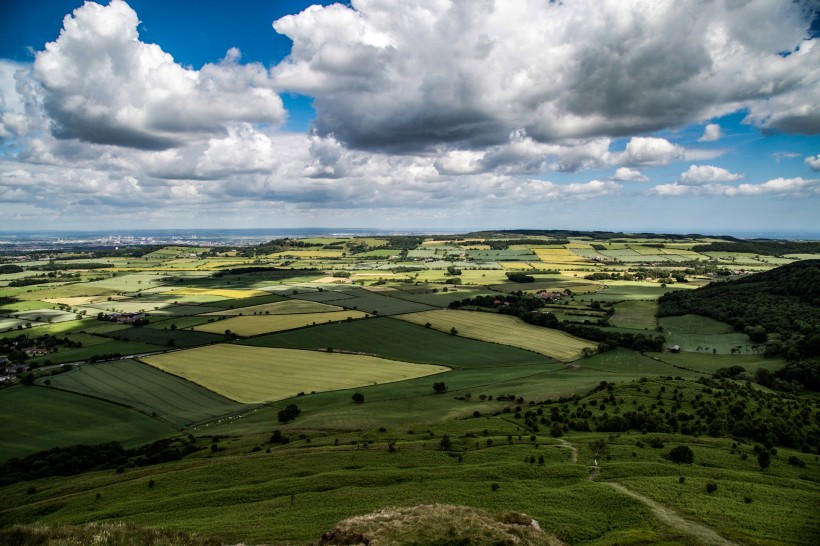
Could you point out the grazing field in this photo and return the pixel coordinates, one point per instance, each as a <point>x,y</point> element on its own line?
<point>694,333</point>
<point>37,418</point>
<point>110,347</point>
<point>246,326</point>
<point>636,314</point>
<point>506,330</point>
<point>709,363</point>
<point>367,301</point>
<point>259,374</point>
<point>131,383</point>
<point>401,340</point>
<point>166,338</point>
<point>279,308</point>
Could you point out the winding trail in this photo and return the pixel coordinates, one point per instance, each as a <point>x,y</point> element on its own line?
<point>667,515</point>
<point>573,451</point>
<point>673,519</point>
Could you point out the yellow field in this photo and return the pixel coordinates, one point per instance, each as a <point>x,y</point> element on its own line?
<point>262,324</point>
<point>504,329</point>
<point>230,293</point>
<point>84,300</point>
<point>260,374</point>
<point>280,308</point>
<point>558,255</point>
<point>516,266</point>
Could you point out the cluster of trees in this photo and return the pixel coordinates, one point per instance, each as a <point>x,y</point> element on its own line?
<point>68,461</point>
<point>765,247</point>
<point>288,414</point>
<point>783,301</point>
<point>520,277</point>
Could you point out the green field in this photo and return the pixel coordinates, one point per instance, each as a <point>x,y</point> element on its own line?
<point>506,330</point>
<point>130,383</point>
<point>367,301</point>
<point>637,314</point>
<point>110,347</point>
<point>693,333</point>
<point>37,418</point>
<point>258,374</point>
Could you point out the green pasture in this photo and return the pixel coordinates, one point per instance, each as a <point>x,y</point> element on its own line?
<point>81,354</point>
<point>637,314</point>
<point>706,362</point>
<point>65,291</point>
<point>695,324</point>
<point>694,333</point>
<point>166,338</point>
<point>24,305</point>
<point>366,301</point>
<point>630,290</point>
<point>258,374</point>
<point>54,329</point>
<point>37,418</point>
<point>48,315</point>
<point>154,392</point>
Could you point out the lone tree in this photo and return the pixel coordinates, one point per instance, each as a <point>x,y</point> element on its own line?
<point>440,387</point>
<point>682,454</point>
<point>358,398</point>
<point>598,448</point>
<point>446,444</point>
<point>764,459</point>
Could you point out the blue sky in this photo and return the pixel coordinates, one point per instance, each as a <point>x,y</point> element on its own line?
<point>616,115</point>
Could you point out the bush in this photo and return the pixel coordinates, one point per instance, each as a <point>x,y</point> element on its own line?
<point>711,487</point>
<point>682,454</point>
<point>358,398</point>
<point>439,387</point>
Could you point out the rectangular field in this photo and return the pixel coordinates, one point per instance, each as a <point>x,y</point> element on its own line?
<point>506,330</point>
<point>131,383</point>
<point>364,300</point>
<point>260,374</point>
<point>263,324</point>
<point>279,308</point>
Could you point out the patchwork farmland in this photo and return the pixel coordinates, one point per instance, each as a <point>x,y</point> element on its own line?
<point>262,394</point>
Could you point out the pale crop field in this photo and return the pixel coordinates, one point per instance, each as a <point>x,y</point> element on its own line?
<point>260,374</point>
<point>263,324</point>
<point>231,293</point>
<point>506,330</point>
<point>280,308</point>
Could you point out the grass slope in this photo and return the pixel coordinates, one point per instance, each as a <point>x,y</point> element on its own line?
<point>36,418</point>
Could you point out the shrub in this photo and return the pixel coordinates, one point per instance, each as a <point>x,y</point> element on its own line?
<point>682,454</point>
<point>711,487</point>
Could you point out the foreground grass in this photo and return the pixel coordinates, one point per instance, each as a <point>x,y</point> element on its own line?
<point>37,418</point>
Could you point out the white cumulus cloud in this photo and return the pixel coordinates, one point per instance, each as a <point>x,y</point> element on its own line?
<point>813,162</point>
<point>711,133</point>
<point>629,175</point>
<point>414,75</point>
<point>103,85</point>
<point>707,174</point>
